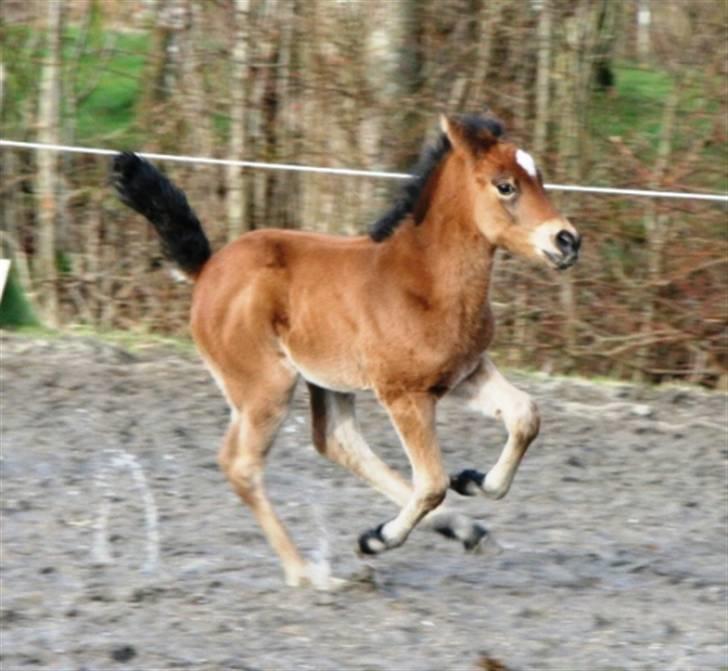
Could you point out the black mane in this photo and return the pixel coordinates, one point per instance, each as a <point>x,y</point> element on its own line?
<point>406,202</point>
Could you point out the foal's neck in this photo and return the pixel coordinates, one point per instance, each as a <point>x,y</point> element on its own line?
<point>451,245</point>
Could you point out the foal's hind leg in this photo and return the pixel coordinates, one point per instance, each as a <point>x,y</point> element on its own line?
<point>488,392</point>
<point>337,436</point>
<point>242,459</point>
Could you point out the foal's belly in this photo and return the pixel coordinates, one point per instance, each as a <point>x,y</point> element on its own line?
<point>329,372</point>
<point>336,353</point>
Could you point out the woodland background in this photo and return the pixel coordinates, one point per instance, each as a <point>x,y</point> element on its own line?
<point>629,93</point>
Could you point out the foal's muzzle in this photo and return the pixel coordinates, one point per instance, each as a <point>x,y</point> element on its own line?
<point>568,244</point>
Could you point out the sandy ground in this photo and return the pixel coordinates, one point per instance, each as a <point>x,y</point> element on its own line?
<point>123,547</point>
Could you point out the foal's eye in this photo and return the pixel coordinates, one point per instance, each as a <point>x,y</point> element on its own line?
<point>505,189</point>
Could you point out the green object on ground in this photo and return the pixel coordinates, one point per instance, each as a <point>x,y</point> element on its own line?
<point>15,309</point>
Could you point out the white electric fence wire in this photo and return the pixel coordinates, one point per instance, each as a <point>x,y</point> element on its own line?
<point>291,167</point>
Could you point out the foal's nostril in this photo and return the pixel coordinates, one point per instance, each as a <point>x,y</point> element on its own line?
<point>567,242</point>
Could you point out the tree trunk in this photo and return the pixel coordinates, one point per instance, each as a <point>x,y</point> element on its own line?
<point>284,187</point>
<point>656,224</point>
<point>644,21</point>
<point>234,178</point>
<point>409,19</point>
<point>2,89</point>
<point>313,130</point>
<point>567,70</point>
<point>48,132</point>
<point>199,130</point>
<point>521,332</point>
<point>543,80</point>
<point>574,71</point>
<point>487,20</point>
<point>162,70</point>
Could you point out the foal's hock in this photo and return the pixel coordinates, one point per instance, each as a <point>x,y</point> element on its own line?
<point>407,316</point>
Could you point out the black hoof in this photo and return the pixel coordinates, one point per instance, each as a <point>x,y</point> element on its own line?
<point>447,532</point>
<point>372,542</point>
<point>468,482</point>
<point>472,543</point>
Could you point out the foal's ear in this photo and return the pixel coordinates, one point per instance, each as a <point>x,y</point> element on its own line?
<point>468,138</point>
<point>455,132</point>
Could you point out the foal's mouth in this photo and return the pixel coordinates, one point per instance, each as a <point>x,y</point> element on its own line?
<point>562,261</point>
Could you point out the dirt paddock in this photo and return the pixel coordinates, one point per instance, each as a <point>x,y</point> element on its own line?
<point>122,546</point>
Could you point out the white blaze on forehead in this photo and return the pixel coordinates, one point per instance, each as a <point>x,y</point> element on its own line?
<point>525,160</point>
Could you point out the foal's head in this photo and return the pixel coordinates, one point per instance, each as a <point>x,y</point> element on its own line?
<point>511,208</point>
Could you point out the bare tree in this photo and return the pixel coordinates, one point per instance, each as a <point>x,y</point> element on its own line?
<point>48,132</point>
<point>195,100</point>
<point>543,78</point>
<point>163,71</point>
<point>234,180</point>
<point>487,23</point>
<point>644,22</point>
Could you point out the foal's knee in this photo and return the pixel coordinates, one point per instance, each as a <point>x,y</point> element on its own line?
<point>227,451</point>
<point>526,420</point>
<point>242,470</point>
<point>246,479</point>
<point>433,494</point>
<point>434,498</point>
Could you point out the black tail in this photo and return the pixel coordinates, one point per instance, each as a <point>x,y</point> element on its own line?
<point>144,189</point>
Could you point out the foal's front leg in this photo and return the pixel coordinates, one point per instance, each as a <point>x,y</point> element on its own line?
<point>413,416</point>
<point>488,392</point>
<point>337,436</point>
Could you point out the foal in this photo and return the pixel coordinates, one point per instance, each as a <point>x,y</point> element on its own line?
<point>403,312</point>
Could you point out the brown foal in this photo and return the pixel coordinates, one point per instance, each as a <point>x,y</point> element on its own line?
<point>403,312</point>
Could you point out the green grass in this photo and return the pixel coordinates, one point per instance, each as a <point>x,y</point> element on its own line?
<point>130,341</point>
<point>134,341</point>
<point>634,111</point>
<point>635,107</point>
<point>108,112</point>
